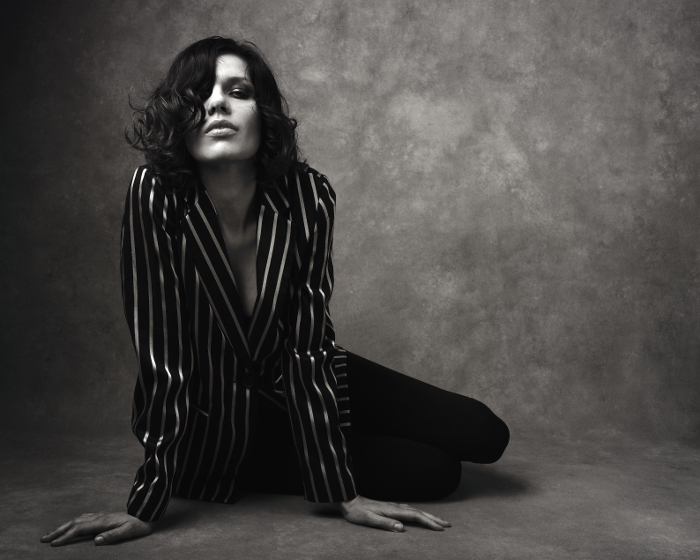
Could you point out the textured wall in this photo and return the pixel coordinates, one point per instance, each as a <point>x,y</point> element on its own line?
<point>517,183</point>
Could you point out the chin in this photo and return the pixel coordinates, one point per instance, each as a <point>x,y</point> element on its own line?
<point>225,157</point>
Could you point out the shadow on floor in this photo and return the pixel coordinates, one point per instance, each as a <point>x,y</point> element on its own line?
<point>181,512</point>
<point>485,480</point>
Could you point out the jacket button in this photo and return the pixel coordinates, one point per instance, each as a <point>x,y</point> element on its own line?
<point>248,379</point>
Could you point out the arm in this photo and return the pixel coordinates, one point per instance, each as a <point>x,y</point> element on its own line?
<point>311,386</point>
<point>154,304</point>
<point>309,380</point>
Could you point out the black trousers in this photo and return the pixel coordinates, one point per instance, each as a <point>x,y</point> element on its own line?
<point>407,441</point>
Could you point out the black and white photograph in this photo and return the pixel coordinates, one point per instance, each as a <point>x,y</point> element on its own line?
<point>356,280</point>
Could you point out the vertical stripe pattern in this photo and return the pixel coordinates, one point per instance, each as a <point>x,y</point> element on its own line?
<point>153,295</point>
<point>203,364</point>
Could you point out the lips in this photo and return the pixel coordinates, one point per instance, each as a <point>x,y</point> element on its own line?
<point>220,127</point>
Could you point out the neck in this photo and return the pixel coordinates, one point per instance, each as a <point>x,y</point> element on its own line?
<point>232,187</point>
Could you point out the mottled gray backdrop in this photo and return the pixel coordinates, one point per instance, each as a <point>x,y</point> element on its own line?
<point>517,191</point>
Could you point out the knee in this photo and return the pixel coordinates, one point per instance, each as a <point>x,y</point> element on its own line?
<point>498,441</point>
<point>483,436</point>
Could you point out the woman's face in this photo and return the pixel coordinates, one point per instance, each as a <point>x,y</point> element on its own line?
<point>230,132</point>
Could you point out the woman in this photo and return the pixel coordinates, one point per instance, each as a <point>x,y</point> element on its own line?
<point>227,275</point>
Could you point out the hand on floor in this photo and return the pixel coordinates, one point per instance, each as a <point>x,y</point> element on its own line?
<point>387,515</point>
<point>109,527</point>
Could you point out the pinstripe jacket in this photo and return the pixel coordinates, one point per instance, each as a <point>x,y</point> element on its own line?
<point>204,364</point>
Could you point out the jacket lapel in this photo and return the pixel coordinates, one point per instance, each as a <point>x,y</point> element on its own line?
<point>201,229</point>
<point>275,236</point>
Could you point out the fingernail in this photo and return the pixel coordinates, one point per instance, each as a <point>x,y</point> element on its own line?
<point>398,527</point>
<point>99,540</point>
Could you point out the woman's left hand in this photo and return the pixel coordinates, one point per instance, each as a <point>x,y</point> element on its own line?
<point>387,515</point>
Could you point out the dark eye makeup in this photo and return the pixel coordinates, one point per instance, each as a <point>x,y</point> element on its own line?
<point>241,92</point>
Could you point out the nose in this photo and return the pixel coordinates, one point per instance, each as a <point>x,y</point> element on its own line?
<point>217,102</point>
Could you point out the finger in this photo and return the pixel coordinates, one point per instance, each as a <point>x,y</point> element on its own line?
<point>56,532</point>
<point>124,531</point>
<point>415,516</point>
<point>436,519</point>
<point>79,529</point>
<point>380,522</point>
<point>430,515</point>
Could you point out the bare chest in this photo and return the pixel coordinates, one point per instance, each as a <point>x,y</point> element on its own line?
<point>241,248</point>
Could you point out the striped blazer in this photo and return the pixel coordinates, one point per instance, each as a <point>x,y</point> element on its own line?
<point>204,364</point>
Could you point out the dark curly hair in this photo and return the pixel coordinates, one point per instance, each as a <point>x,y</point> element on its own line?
<point>176,106</point>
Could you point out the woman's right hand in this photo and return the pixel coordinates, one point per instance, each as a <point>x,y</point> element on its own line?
<point>109,528</point>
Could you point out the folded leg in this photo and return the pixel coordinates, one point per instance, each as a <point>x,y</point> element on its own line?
<point>386,467</point>
<point>385,402</point>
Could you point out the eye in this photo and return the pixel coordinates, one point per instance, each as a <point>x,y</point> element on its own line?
<point>240,93</point>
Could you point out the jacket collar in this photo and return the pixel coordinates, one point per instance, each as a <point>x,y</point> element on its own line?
<point>275,235</point>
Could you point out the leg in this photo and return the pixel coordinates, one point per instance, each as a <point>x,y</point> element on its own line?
<point>386,467</point>
<point>385,402</point>
<point>395,469</point>
<point>272,464</point>
<point>407,443</point>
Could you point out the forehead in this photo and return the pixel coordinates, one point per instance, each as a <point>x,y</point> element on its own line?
<point>230,66</point>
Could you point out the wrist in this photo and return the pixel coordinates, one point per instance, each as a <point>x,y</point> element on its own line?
<point>346,506</point>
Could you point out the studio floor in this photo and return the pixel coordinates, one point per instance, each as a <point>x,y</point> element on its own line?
<point>546,498</point>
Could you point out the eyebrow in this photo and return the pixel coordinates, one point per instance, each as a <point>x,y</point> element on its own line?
<point>229,81</point>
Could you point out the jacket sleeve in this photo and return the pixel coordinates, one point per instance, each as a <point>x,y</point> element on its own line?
<point>310,382</point>
<point>154,305</point>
